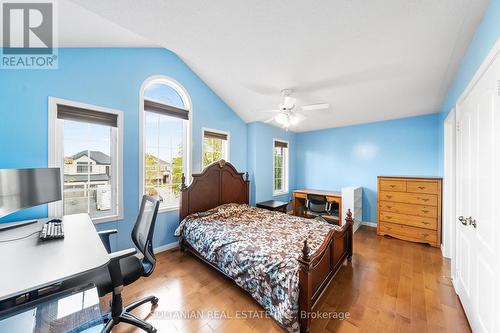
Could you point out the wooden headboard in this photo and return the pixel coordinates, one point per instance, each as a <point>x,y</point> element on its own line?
<point>218,184</point>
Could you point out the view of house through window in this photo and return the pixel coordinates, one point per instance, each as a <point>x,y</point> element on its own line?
<point>88,168</point>
<point>215,147</point>
<point>280,163</point>
<point>165,134</point>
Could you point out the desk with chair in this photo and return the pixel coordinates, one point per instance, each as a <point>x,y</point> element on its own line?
<point>300,201</point>
<point>81,258</point>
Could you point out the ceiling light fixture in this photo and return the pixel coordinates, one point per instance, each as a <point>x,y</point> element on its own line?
<point>287,115</point>
<point>286,120</point>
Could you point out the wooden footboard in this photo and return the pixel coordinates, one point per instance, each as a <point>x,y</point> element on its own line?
<point>318,269</point>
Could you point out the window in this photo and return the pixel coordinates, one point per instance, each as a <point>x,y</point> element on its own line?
<point>84,167</point>
<point>85,142</point>
<point>165,143</point>
<point>280,167</point>
<point>215,146</point>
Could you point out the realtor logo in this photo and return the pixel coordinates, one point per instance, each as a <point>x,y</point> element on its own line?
<point>28,35</point>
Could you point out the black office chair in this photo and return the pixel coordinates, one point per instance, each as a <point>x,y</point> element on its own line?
<point>317,207</point>
<point>125,268</point>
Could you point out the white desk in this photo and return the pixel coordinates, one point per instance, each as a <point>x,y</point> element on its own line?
<point>30,263</point>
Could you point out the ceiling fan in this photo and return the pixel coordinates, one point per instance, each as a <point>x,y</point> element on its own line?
<point>288,115</point>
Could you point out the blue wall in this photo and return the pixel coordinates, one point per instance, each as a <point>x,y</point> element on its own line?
<point>355,155</point>
<point>111,78</point>
<point>485,37</point>
<point>260,161</point>
<point>326,159</point>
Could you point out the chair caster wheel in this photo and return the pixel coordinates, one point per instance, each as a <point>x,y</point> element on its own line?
<point>154,301</point>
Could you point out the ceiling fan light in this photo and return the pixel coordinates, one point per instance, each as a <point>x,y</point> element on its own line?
<point>281,119</point>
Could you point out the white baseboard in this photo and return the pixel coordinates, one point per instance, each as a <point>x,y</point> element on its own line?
<point>166,247</point>
<point>454,284</point>
<point>161,248</point>
<point>356,226</point>
<point>369,224</point>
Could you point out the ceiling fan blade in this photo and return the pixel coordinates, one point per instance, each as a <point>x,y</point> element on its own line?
<point>272,111</point>
<point>299,116</point>
<point>312,107</point>
<point>269,120</point>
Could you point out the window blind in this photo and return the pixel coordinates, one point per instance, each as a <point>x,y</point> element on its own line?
<point>214,135</point>
<point>280,144</point>
<point>166,110</point>
<point>85,115</point>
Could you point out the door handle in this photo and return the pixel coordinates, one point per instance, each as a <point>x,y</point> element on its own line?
<point>472,222</point>
<point>463,220</point>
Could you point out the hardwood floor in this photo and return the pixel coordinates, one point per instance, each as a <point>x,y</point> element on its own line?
<point>390,286</point>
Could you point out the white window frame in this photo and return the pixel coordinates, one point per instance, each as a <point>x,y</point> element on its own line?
<point>207,129</point>
<point>285,169</point>
<point>56,154</point>
<point>186,140</point>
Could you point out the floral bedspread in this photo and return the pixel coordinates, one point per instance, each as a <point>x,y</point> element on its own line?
<point>258,249</point>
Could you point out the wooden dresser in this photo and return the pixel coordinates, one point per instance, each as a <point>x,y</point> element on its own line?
<point>409,208</point>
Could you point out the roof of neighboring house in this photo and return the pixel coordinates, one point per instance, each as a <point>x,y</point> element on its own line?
<point>162,162</point>
<point>84,178</point>
<point>98,156</point>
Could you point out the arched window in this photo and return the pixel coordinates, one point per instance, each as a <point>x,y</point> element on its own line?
<point>165,114</point>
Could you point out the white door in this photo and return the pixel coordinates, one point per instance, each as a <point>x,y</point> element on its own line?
<point>478,201</point>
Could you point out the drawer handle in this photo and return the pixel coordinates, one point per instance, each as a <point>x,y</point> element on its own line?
<point>421,187</point>
<point>389,207</point>
<point>388,196</point>
<point>425,211</point>
<point>389,217</point>
<point>393,186</point>
<point>388,228</point>
<point>426,223</point>
<point>425,235</point>
<point>424,200</point>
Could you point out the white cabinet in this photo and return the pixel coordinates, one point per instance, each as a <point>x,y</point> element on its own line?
<point>352,198</point>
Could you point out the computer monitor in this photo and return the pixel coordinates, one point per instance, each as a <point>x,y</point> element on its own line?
<point>24,188</point>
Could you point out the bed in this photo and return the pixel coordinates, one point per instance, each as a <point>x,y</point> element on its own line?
<point>284,262</point>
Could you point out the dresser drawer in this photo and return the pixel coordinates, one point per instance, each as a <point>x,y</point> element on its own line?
<point>393,185</point>
<point>416,221</point>
<point>408,232</point>
<point>402,208</point>
<point>411,198</point>
<point>422,187</point>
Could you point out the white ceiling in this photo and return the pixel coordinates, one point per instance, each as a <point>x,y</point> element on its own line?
<point>371,60</point>
<point>80,27</point>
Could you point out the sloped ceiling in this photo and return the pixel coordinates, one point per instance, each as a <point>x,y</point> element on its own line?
<point>371,60</point>
<point>80,27</point>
